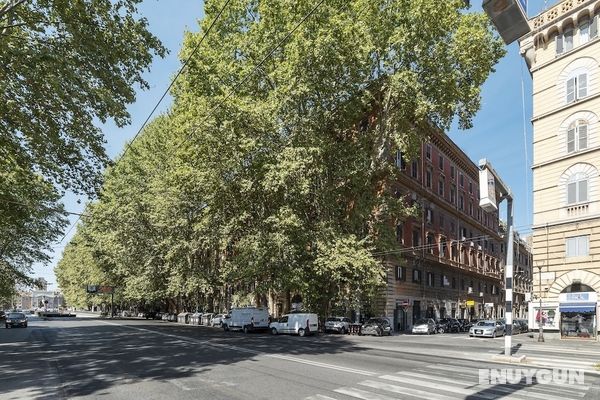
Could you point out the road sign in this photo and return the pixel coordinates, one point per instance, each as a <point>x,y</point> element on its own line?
<point>92,288</point>
<point>105,289</point>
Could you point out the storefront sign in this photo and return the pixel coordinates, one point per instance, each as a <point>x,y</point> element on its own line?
<point>470,303</point>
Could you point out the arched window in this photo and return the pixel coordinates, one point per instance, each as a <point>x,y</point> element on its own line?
<point>577,136</point>
<point>584,31</point>
<point>576,80</point>
<point>577,188</point>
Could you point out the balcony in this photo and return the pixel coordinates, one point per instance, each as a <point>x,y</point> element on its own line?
<point>577,210</point>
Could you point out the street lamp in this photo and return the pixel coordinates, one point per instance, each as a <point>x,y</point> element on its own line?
<point>539,266</point>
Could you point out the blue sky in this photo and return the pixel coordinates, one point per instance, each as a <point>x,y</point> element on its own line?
<point>499,133</point>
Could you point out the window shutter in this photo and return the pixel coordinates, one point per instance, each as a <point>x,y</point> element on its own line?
<point>571,140</point>
<point>594,27</point>
<point>571,90</point>
<point>568,40</point>
<point>582,134</point>
<point>582,86</point>
<point>571,193</point>
<point>582,246</point>
<point>559,44</point>
<point>570,247</point>
<point>582,190</point>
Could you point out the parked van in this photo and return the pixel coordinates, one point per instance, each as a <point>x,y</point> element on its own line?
<point>247,319</point>
<point>297,323</point>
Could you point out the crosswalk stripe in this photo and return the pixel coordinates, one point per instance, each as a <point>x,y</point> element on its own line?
<point>319,397</point>
<point>404,390</point>
<point>569,389</point>
<point>428,383</point>
<point>362,394</point>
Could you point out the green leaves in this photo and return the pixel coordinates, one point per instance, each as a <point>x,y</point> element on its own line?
<point>277,175</point>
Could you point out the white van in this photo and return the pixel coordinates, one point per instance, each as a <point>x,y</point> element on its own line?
<point>297,323</point>
<point>247,319</point>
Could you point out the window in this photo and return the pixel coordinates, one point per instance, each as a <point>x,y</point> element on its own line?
<point>430,279</point>
<point>428,152</point>
<point>441,162</point>
<point>453,194</point>
<point>564,41</point>
<point>416,276</point>
<point>428,178</point>
<point>577,188</point>
<point>399,161</point>
<point>461,179</point>
<point>584,32</point>
<point>400,273</point>
<point>470,187</point>
<point>444,247</point>
<point>442,221</point>
<point>461,202</point>
<point>577,136</point>
<point>441,187</point>
<point>416,241</point>
<point>414,170</point>
<point>399,233</point>
<point>471,208</point>
<point>453,282</point>
<point>452,172</point>
<point>430,243</point>
<point>577,87</point>
<point>429,215</point>
<point>462,284</point>
<point>444,281</point>
<point>578,246</point>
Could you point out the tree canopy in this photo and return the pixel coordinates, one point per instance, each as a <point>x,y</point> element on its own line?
<point>271,173</point>
<point>65,66</point>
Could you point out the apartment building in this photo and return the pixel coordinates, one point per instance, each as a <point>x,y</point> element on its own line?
<point>562,53</point>
<point>450,259</point>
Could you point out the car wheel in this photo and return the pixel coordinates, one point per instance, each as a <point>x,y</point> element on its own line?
<point>428,332</point>
<point>273,331</point>
<point>441,330</point>
<point>343,331</point>
<point>470,335</point>
<point>379,332</point>
<point>225,328</point>
<point>494,335</point>
<point>301,332</point>
<point>25,326</point>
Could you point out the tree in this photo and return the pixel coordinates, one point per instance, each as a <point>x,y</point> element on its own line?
<point>62,66</point>
<point>277,170</point>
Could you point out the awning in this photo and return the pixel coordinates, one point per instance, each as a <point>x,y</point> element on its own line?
<point>577,307</point>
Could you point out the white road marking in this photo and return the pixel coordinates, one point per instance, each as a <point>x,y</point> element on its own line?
<point>319,397</point>
<point>362,394</point>
<point>405,390</point>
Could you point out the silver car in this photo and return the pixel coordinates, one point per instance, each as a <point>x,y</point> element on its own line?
<point>425,325</point>
<point>337,324</point>
<point>487,328</point>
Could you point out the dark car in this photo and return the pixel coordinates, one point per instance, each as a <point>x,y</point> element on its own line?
<point>520,326</point>
<point>16,319</point>
<point>464,325</point>
<point>377,326</point>
<point>2,315</point>
<point>448,325</point>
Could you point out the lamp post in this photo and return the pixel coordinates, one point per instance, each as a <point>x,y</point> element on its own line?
<point>490,184</point>
<point>541,319</point>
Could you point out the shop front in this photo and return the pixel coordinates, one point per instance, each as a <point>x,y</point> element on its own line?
<point>578,315</point>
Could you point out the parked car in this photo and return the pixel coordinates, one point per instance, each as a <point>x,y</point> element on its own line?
<point>520,326</point>
<point>377,326</point>
<point>247,319</point>
<point>300,324</point>
<point>337,324</point>
<point>448,325</point>
<point>2,315</point>
<point>217,319</point>
<point>487,328</point>
<point>464,324</point>
<point>16,319</point>
<point>424,325</point>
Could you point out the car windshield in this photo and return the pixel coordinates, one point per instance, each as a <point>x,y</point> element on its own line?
<point>422,322</point>
<point>16,315</point>
<point>485,323</point>
<point>374,321</point>
<point>333,319</point>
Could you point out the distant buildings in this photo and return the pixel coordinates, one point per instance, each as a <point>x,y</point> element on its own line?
<point>562,52</point>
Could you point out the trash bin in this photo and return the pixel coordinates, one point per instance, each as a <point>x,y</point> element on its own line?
<point>183,318</point>
<point>206,319</point>
<point>195,319</point>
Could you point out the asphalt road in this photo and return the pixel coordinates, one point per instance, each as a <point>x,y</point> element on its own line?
<point>136,359</point>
